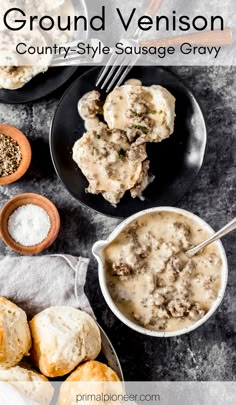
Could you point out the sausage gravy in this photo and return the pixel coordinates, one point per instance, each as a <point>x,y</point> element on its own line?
<point>150,278</point>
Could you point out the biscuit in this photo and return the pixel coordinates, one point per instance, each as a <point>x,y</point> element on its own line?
<point>63,337</point>
<point>15,339</point>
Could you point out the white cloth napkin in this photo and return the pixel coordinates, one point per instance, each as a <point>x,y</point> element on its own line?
<point>35,283</point>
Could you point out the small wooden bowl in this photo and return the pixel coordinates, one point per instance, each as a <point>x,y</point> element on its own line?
<point>18,201</point>
<point>26,153</point>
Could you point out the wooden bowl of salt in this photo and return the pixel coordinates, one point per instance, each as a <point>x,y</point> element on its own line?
<point>29,223</point>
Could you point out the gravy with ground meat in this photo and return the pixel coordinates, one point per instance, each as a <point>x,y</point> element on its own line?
<point>112,154</point>
<point>153,282</point>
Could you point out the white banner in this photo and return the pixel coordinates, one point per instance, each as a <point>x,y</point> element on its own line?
<point>101,392</point>
<point>79,32</point>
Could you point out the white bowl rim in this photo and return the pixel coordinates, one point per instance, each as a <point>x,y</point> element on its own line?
<point>97,251</point>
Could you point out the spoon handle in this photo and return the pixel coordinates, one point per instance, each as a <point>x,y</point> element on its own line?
<point>153,7</point>
<point>217,38</point>
<point>218,235</point>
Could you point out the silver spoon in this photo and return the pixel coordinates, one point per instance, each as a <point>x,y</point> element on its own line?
<point>218,235</point>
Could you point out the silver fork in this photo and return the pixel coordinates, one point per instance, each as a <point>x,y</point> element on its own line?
<point>111,76</point>
<point>118,66</point>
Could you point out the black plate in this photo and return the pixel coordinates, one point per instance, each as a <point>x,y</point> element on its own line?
<point>40,86</point>
<point>175,162</point>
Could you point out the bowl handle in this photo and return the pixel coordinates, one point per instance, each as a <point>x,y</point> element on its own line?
<point>98,248</point>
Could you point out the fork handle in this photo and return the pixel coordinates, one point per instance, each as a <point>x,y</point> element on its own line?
<point>218,37</point>
<point>152,7</point>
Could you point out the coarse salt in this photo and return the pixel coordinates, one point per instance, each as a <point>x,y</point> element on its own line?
<point>29,225</point>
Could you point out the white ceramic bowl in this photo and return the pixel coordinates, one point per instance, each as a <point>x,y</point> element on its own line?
<point>99,247</point>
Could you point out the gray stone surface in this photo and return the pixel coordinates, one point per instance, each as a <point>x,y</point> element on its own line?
<point>208,353</point>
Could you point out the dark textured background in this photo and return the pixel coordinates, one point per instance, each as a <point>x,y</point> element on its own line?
<point>208,353</point>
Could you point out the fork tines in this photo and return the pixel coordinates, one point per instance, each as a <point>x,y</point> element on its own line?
<point>115,71</point>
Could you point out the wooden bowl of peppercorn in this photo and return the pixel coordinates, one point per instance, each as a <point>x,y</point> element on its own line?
<point>15,154</point>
